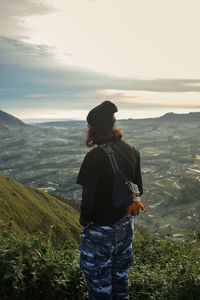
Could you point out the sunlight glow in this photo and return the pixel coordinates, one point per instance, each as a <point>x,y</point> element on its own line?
<point>187,99</point>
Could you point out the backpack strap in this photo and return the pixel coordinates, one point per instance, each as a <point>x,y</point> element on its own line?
<point>107,149</point>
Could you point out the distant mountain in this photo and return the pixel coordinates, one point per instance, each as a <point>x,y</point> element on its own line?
<point>8,120</point>
<point>30,210</point>
<point>190,117</point>
<point>59,124</point>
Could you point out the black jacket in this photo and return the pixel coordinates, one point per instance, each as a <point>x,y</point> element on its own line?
<point>96,177</point>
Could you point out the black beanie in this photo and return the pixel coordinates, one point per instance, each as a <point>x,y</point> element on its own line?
<point>102,116</point>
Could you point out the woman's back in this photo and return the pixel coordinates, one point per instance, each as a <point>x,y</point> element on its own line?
<point>96,172</point>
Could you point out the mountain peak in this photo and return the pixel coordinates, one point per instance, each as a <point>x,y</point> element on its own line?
<point>7,119</point>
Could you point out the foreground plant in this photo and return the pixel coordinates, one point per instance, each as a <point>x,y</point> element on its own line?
<point>35,267</point>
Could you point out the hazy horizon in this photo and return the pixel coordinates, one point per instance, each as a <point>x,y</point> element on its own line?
<point>119,116</point>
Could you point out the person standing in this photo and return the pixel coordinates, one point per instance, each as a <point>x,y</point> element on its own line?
<point>106,251</point>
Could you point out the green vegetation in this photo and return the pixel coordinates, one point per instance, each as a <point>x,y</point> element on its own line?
<point>34,268</point>
<point>30,210</point>
<point>166,268</point>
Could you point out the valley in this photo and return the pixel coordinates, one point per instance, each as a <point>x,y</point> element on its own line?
<point>48,156</point>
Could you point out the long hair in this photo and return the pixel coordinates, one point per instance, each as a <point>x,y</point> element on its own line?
<point>96,137</point>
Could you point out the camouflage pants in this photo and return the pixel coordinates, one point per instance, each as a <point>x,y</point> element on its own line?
<point>106,256</point>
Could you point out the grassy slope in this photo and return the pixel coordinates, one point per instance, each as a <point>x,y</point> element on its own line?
<point>32,210</point>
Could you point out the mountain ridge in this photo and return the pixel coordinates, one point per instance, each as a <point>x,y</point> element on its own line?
<point>189,117</point>
<point>7,119</point>
<point>170,116</point>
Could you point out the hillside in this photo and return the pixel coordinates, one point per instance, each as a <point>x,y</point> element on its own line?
<point>30,210</point>
<point>9,120</point>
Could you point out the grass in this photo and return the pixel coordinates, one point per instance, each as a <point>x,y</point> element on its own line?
<point>30,210</point>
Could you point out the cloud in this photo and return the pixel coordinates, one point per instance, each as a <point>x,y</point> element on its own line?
<point>18,52</point>
<point>12,14</point>
<point>163,85</point>
<point>153,99</point>
<point>31,77</point>
<point>2,91</point>
<point>37,67</point>
<point>39,96</point>
<point>21,8</point>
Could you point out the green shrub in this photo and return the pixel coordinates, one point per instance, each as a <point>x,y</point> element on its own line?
<point>165,269</point>
<point>34,268</point>
<point>31,268</point>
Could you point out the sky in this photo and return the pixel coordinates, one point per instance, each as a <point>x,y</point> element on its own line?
<point>60,58</point>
